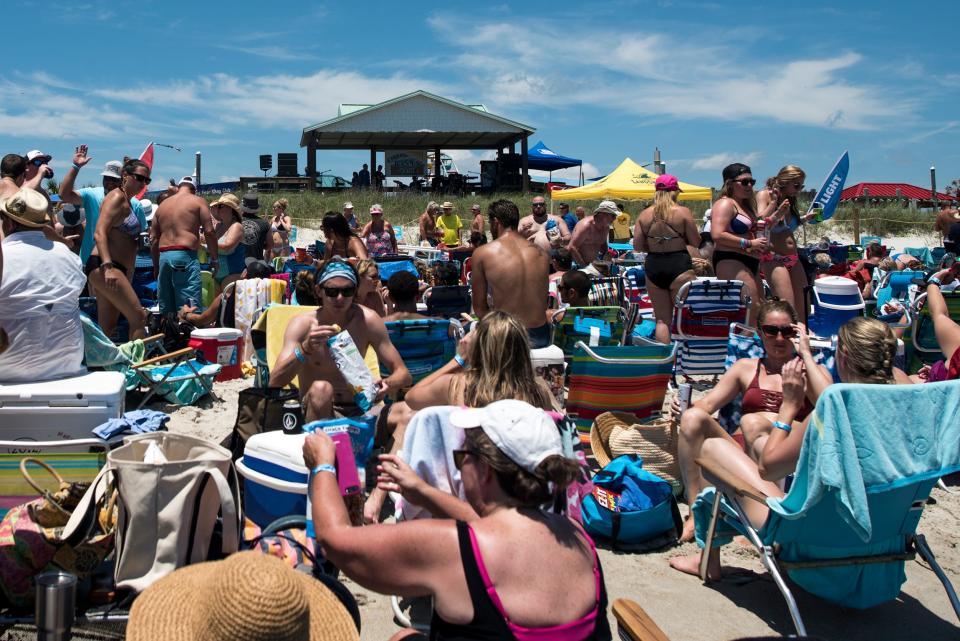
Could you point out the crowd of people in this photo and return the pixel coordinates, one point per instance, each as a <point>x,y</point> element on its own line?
<point>489,560</point>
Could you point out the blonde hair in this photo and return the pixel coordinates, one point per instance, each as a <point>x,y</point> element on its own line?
<point>663,204</point>
<point>364,265</point>
<point>282,203</point>
<point>868,347</point>
<point>786,176</point>
<point>500,366</point>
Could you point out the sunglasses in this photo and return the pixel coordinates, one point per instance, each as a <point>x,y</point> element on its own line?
<point>746,182</point>
<point>458,456</point>
<point>799,185</point>
<point>145,180</point>
<point>39,162</point>
<point>771,331</point>
<point>333,292</point>
<point>539,205</point>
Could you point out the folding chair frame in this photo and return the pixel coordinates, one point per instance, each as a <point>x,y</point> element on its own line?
<point>733,488</point>
<point>175,358</point>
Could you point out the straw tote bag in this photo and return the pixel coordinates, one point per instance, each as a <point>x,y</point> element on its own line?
<point>169,506</point>
<point>616,433</point>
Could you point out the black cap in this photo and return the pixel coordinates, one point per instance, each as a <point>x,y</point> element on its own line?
<point>732,171</point>
<point>250,204</point>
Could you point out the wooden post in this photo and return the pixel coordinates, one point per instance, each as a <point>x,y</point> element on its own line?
<point>436,168</point>
<point>373,165</point>
<point>856,217</point>
<point>312,165</point>
<point>525,164</point>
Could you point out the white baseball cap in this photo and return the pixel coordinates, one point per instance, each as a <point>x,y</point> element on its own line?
<point>112,169</point>
<point>524,433</point>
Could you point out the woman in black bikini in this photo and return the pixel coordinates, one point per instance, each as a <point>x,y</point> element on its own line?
<point>733,228</point>
<point>666,231</point>
<point>341,240</point>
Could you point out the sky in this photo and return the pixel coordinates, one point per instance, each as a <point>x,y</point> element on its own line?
<point>709,83</point>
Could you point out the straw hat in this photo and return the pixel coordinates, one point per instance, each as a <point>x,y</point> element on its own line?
<point>27,207</point>
<point>614,434</point>
<point>230,201</point>
<point>247,597</point>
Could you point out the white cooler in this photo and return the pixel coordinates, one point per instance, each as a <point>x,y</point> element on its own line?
<point>274,477</point>
<point>60,410</point>
<point>548,365</point>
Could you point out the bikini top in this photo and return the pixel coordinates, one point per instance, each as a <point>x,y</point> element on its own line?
<point>742,223</point>
<point>130,225</point>
<point>662,239</point>
<point>757,399</point>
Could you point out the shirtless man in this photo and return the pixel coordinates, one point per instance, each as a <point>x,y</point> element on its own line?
<point>402,290</point>
<point>948,224</point>
<point>175,237</point>
<point>589,239</point>
<point>514,274</point>
<point>534,227</point>
<point>305,354</point>
<point>478,221</point>
<point>428,224</point>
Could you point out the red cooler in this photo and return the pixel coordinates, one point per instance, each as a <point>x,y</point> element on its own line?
<point>221,346</point>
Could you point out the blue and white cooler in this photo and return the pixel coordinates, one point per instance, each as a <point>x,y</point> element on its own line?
<point>836,300</point>
<point>274,477</point>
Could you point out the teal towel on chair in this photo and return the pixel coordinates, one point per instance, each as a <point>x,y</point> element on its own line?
<point>870,438</point>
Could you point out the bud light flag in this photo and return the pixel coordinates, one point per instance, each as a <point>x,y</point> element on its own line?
<point>828,196</point>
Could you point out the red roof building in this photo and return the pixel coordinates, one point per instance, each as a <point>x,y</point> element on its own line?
<point>889,190</point>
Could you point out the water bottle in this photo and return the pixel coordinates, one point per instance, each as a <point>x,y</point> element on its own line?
<point>553,231</point>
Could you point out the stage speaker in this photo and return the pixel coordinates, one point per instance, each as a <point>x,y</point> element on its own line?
<point>266,162</point>
<point>488,174</point>
<point>287,165</point>
<point>509,163</point>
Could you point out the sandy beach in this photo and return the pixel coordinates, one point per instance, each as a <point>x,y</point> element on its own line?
<point>747,604</point>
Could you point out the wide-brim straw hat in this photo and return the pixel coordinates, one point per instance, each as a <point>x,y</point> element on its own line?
<point>27,207</point>
<point>614,434</point>
<point>247,597</point>
<point>230,201</point>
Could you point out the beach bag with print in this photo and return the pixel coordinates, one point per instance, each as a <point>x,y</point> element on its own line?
<point>69,529</point>
<point>631,507</point>
<point>177,495</point>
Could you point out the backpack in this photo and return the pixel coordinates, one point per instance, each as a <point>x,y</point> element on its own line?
<point>631,507</point>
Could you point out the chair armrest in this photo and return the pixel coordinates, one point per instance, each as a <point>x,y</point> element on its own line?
<point>177,355</point>
<point>729,482</point>
<point>153,339</point>
<point>635,622</point>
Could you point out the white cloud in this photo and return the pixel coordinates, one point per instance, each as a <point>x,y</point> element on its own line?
<point>720,160</point>
<point>272,52</point>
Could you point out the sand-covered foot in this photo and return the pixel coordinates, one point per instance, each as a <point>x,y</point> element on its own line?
<point>688,530</point>
<point>690,564</point>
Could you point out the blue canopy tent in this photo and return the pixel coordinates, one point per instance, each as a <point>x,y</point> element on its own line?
<point>543,158</point>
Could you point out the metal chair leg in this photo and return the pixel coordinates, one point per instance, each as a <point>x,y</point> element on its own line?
<point>921,543</point>
<point>708,550</point>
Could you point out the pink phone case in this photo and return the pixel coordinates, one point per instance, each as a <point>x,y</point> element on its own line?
<point>347,476</point>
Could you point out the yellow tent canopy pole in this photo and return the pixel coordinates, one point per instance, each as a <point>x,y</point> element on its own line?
<point>629,181</point>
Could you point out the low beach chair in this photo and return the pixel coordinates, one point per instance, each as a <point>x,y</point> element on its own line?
<point>628,378</point>
<point>849,520</point>
<point>923,348</point>
<point>596,326</point>
<point>606,291</point>
<point>448,301</point>
<point>634,624</point>
<point>896,286</point>
<point>424,345</point>
<point>704,310</point>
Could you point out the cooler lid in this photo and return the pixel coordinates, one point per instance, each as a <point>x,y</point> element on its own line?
<point>95,386</point>
<point>285,450</point>
<point>219,333</point>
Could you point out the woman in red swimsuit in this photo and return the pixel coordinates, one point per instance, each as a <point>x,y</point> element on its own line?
<point>866,349</point>
<point>759,381</point>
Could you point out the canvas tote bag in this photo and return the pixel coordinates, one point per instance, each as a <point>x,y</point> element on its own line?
<point>168,509</point>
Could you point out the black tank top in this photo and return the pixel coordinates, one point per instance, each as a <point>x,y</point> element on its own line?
<point>487,624</point>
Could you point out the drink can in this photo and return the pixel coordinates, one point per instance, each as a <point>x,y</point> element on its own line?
<point>684,395</point>
<point>192,302</point>
<point>292,421</point>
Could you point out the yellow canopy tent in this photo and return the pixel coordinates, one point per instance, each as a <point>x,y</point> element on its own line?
<point>629,181</point>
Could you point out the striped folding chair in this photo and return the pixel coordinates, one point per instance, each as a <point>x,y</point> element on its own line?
<point>705,307</point>
<point>628,378</point>
<point>606,291</point>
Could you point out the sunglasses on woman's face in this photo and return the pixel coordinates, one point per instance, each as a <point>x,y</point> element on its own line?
<point>771,331</point>
<point>346,292</point>
<point>145,180</point>
<point>746,182</point>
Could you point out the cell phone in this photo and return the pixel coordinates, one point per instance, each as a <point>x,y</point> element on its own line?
<point>348,478</point>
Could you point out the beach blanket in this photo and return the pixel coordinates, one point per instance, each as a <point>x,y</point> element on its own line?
<point>428,447</point>
<point>253,295</point>
<point>864,438</point>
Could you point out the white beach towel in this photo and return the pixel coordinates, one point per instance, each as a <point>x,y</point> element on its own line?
<point>428,447</point>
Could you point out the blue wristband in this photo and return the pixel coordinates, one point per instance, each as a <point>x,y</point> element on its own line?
<point>460,361</point>
<point>780,425</point>
<point>326,467</point>
<point>744,243</point>
<point>77,167</point>
<point>298,354</point>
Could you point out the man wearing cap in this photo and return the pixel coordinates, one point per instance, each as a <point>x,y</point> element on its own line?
<point>513,272</point>
<point>90,198</point>
<point>175,238</point>
<point>348,214</point>
<point>39,290</point>
<point>450,224</point>
<point>589,239</point>
<point>305,354</point>
<point>189,183</point>
<point>478,223</point>
<point>37,170</point>
<point>256,231</point>
<point>544,230</point>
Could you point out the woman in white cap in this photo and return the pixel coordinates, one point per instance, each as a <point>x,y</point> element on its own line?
<point>378,234</point>
<point>495,565</point>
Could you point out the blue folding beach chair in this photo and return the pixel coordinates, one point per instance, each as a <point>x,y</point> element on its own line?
<point>849,521</point>
<point>425,345</point>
